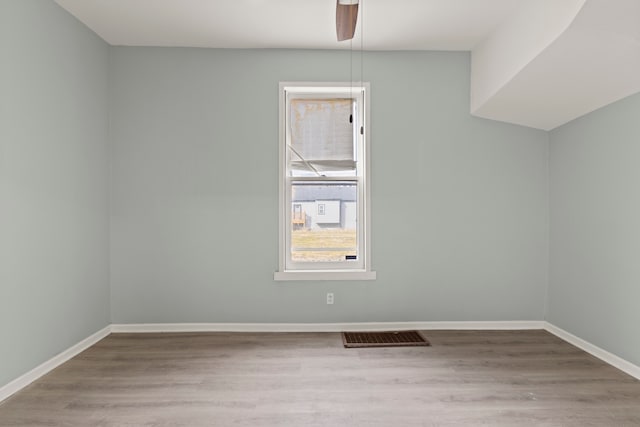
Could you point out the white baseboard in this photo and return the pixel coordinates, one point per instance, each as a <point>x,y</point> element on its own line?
<point>610,358</point>
<point>321,327</point>
<point>37,372</point>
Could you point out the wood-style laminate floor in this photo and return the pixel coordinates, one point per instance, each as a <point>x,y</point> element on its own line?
<point>475,378</point>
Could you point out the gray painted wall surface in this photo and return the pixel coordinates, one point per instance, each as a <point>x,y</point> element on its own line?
<point>594,289</point>
<point>195,143</point>
<point>54,288</point>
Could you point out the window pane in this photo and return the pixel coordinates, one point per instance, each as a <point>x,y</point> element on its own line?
<point>322,136</point>
<point>324,222</point>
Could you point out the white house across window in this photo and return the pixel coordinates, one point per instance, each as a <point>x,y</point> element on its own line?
<point>324,194</point>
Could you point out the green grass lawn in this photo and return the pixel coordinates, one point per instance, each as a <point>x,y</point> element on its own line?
<point>343,241</point>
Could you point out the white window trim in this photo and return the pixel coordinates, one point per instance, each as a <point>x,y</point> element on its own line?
<point>365,273</point>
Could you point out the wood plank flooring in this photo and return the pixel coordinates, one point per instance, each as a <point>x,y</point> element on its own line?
<point>475,378</point>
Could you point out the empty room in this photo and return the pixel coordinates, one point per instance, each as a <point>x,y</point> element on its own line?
<point>319,213</point>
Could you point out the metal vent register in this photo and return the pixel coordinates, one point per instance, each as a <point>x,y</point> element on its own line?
<point>384,339</point>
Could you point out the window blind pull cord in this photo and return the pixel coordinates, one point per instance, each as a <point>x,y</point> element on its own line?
<point>351,68</point>
<point>307,164</point>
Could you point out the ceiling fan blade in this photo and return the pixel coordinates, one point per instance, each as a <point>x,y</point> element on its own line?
<point>346,18</point>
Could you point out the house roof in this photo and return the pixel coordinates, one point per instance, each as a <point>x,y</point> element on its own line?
<point>312,193</point>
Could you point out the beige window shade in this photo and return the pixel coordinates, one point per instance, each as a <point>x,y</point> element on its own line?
<point>322,134</point>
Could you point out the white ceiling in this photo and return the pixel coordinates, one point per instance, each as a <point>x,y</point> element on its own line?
<point>593,62</point>
<point>538,63</point>
<point>387,24</point>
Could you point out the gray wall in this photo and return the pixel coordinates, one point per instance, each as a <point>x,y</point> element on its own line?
<point>54,288</point>
<point>459,204</point>
<point>595,228</point>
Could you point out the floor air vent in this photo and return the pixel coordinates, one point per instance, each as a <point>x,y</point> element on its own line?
<point>383,339</point>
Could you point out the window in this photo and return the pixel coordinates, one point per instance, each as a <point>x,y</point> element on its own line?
<point>324,192</point>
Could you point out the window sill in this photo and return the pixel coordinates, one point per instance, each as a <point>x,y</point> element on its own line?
<point>281,276</point>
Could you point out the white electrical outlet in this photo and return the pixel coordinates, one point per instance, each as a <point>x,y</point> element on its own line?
<point>330,298</point>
